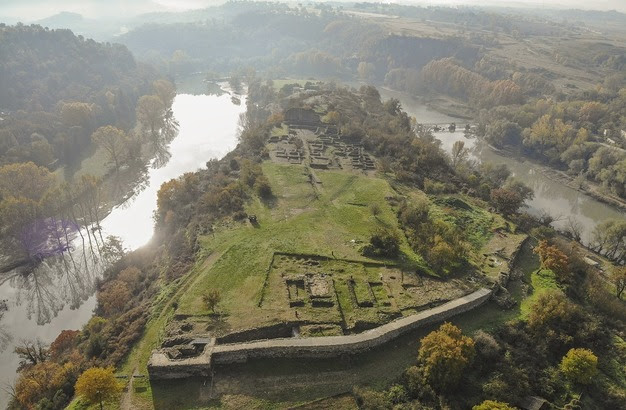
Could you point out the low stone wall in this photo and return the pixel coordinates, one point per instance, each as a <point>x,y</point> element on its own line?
<point>334,346</point>
<point>161,367</point>
<point>277,331</point>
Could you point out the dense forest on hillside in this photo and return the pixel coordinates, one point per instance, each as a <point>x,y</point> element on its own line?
<point>64,98</point>
<point>56,88</point>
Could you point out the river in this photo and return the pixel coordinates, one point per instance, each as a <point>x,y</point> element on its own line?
<point>59,293</point>
<point>551,197</point>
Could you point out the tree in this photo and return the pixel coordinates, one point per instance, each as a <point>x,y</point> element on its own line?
<point>65,341</point>
<point>495,174</point>
<point>132,276</point>
<point>492,405</point>
<point>211,299</point>
<point>166,91</point>
<point>98,385</point>
<point>114,141</point>
<point>366,70</point>
<point>43,380</point>
<point>551,257</point>
<point>554,318</point>
<point>618,277</point>
<point>333,117</point>
<point>31,352</point>
<point>151,113</point>
<point>459,153</point>
<point>579,365</point>
<point>77,114</point>
<point>441,254</point>
<point>503,132</point>
<point>517,186</point>
<point>505,200</point>
<point>114,297</point>
<point>610,239</point>
<point>444,354</point>
<point>25,180</point>
<point>262,187</point>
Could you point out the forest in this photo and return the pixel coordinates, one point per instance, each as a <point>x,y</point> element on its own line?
<point>57,88</point>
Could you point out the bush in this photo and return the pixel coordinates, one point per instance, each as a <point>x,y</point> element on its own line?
<point>211,299</point>
<point>263,188</point>
<point>487,347</point>
<point>434,187</point>
<point>542,233</point>
<point>397,394</point>
<point>371,400</point>
<point>416,386</point>
<point>383,242</point>
<point>492,405</point>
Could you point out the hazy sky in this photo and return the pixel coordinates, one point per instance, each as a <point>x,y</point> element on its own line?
<point>30,10</point>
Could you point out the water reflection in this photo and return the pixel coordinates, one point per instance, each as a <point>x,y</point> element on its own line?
<point>161,145</point>
<point>66,279</point>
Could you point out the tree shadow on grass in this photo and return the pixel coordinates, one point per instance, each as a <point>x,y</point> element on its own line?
<point>270,201</point>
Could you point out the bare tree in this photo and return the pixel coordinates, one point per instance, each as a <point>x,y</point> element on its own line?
<point>31,352</point>
<point>574,228</point>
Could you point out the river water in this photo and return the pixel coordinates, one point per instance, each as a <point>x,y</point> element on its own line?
<point>551,197</point>
<point>59,293</point>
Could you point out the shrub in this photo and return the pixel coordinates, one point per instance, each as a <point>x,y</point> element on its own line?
<point>492,405</point>
<point>397,394</point>
<point>371,400</point>
<point>211,299</point>
<point>579,365</point>
<point>383,242</point>
<point>263,188</point>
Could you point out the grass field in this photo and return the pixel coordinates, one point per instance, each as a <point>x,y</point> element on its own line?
<point>330,219</point>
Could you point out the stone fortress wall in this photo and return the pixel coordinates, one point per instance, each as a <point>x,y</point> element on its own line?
<point>162,367</point>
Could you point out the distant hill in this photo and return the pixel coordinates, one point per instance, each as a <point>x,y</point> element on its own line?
<point>64,19</point>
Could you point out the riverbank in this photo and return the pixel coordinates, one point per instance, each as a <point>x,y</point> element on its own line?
<point>587,187</point>
<point>449,110</point>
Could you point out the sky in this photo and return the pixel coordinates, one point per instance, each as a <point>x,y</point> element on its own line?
<point>31,10</point>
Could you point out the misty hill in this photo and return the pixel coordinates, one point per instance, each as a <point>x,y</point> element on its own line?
<point>64,19</point>
<point>42,66</point>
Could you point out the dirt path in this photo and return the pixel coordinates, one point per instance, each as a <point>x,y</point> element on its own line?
<point>127,398</point>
